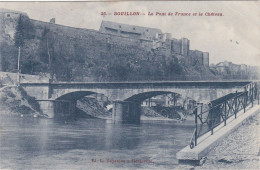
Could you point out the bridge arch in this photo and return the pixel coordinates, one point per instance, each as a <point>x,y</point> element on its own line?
<point>75,95</point>
<point>145,95</point>
<point>138,98</point>
<point>200,96</point>
<point>67,103</point>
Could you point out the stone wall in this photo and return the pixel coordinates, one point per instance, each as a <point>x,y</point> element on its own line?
<point>199,57</point>
<point>206,59</point>
<point>185,46</point>
<point>8,22</point>
<point>89,35</point>
<point>180,46</point>
<point>176,46</point>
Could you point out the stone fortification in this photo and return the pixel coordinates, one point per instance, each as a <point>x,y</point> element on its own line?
<point>199,57</point>
<point>8,22</point>
<point>131,44</point>
<point>160,40</point>
<point>88,34</point>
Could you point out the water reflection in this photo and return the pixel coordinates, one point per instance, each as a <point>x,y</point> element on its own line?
<point>53,143</point>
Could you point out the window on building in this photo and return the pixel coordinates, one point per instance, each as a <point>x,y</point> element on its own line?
<point>134,28</point>
<point>119,26</point>
<point>147,30</point>
<point>8,15</point>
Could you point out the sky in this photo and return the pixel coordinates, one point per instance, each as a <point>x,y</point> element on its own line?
<point>233,37</point>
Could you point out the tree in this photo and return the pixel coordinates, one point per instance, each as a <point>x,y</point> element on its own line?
<point>19,42</point>
<point>46,51</point>
<point>19,33</point>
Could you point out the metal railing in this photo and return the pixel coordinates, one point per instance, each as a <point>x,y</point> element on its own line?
<point>222,109</point>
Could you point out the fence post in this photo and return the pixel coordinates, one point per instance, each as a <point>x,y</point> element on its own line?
<point>196,125</point>
<point>247,93</point>
<point>257,90</point>
<point>252,95</point>
<point>235,105</point>
<point>245,102</point>
<point>225,123</point>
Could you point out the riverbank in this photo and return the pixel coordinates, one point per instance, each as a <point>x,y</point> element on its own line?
<point>240,150</point>
<point>15,101</point>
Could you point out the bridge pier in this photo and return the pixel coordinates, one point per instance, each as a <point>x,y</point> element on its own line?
<point>57,108</point>
<point>125,111</point>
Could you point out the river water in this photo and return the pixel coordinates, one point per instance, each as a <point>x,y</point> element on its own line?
<point>34,143</point>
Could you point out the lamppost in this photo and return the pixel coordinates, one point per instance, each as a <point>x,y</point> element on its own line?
<point>19,42</point>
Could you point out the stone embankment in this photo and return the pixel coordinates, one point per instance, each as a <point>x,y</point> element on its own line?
<point>14,100</point>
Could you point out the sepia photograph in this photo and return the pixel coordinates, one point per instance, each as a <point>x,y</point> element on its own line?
<point>129,85</point>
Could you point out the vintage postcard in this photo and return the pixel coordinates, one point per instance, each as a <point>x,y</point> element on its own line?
<point>129,85</point>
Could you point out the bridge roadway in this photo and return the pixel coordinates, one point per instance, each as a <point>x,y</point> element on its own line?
<point>126,96</point>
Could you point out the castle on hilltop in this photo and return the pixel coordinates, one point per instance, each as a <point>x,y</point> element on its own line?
<point>110,34</point>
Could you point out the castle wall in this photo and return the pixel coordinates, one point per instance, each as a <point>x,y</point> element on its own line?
<point>185,46</point>
<point>1,37</point>
<point>8,22</point>
<point>196,56</point>
<point>1,68</point>
<point>206,59</point>
<point>181,46</point>
<point>176,46</point>
<point>89,35</point>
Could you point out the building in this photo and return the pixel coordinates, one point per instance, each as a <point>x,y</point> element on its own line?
<point>158,38</point>
<point>223,67</point>
<point>243,69</point>
<point>234,70</point>
<point>131,31</point>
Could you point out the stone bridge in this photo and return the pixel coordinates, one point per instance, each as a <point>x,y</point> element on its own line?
<point>58,97</point>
